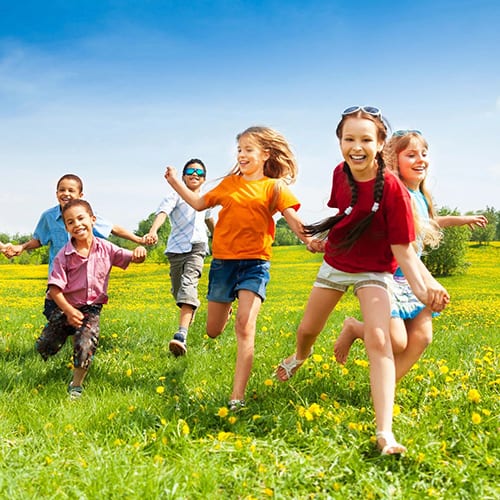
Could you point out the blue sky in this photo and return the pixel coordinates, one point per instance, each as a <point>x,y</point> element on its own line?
<point>116,90</point>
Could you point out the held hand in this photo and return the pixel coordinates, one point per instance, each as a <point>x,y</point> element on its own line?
<point>316,245</point>
<point>11,250</point>
<point>170,174</point>
<point>139,255</point>
<point>74,317</point>
<point>151,238</point>
<point>437,296</point>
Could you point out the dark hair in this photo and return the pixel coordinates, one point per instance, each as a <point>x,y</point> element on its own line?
<point>71,177</point>
<point>191,162</point>
<point>322,227</point>
<point>77,202</point>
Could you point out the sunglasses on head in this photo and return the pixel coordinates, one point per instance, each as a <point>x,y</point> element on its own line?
<point>401,133</point>
<point>370,110</point>
<point>198,171</point>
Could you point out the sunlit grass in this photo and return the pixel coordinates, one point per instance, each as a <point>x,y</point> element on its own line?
<point>153,426</point>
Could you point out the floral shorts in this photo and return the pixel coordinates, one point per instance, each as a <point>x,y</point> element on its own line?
<point>85,338</point>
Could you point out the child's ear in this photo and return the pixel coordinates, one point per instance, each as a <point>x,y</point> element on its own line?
<point>80,195</point>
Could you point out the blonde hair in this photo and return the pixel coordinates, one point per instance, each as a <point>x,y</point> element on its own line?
<point>429,231</point>
<point>281,163</point>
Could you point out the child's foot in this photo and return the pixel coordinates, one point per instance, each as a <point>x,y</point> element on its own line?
<point>388,445</point>
<point>178,345</point>
<point>346,338</point>
<point>287,368</point>
<point>74,391</point>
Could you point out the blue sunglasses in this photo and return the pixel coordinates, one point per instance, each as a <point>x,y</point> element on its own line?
<point>370,110</point>
<point>198,171</point>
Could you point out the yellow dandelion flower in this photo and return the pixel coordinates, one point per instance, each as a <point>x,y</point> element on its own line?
<point>269,382</point>
<point>444,369</point>
<point>396,410</point>
<point>323,396</point>
<point>317,358</point>
<point>111,416</point>
<point>486,412</point>
<point>158,459</point>
<point>48,460</point>
<point>268,492</point>
<point>361,362</point>
<point>476,418</point>
<point>223,411</point>
<point>160,389</point>
<point>232,419</point>
<point>256,417</point>
<point>185,428</point>
<point>474,396</point>
<point>129,372</point>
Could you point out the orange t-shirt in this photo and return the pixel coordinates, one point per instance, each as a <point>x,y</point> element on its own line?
<point>245,227</point>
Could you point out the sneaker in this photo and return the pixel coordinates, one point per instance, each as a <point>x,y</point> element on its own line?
<point>74,391</point>
<point>236,405</point>
<point>177,345</point>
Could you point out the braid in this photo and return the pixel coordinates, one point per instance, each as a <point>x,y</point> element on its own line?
<point>321,228</point>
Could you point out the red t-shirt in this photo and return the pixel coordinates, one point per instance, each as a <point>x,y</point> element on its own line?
<point>392,224</point>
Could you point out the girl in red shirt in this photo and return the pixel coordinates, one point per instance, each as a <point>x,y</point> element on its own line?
<point>371,233</point>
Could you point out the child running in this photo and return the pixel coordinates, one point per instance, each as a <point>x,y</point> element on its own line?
<point>373,226</point>
<point>186,249</point>
<point>51,229</point>
<point>249,195</point>
<point>406,154</point>
<point>77,288</point>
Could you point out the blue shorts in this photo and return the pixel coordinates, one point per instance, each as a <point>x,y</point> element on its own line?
<point>227,277</point>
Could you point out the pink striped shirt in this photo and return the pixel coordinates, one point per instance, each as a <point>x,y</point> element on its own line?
<point>84,280</point>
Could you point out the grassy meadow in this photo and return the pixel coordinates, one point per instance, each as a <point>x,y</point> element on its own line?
<point>151,426</point>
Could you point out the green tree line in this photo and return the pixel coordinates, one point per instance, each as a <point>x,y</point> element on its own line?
<point>447,260</point>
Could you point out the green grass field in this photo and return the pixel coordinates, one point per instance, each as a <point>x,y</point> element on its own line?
<point>151,426</point>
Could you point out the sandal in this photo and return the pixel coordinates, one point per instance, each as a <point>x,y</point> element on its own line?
<point>391,447</point>
<point>290,367</point>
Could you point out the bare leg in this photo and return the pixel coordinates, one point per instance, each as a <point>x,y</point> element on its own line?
<point>321,303</point>
<point>79,375</point>
<point>186,315</point>
<point>419,337</point>
<point>352,329</point>
<point>218,314</point>
<point>246,318</point>
<point>375,307</point>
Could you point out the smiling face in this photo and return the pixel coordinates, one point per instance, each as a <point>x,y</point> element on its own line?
<point>413,164</point>
<point>359,144</point>
<point>251,158</point>
<point>79,223</point>
<point>68,189</point>
<point>194,181</point>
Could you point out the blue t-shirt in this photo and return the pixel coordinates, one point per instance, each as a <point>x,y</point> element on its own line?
<point>51,231</point>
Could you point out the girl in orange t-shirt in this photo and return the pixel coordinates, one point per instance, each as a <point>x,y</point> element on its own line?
<point>254,190</point>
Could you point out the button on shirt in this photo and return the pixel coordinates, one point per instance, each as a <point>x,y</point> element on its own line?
<point>51,231</point>
<point>187,224</point>
<point>84,280</point>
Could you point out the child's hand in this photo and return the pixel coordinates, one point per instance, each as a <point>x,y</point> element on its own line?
<point>170,174</point>
<point>139,255</point>
<point>74,317</point>
<point>476,220</point>
<point>316,245</point>
<point>11,250</point>
<point>437,296</point>
<point>150,238</point>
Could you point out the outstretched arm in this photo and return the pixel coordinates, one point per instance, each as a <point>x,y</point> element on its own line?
<point>424,286</point>
<point>296,225</point>
<point>121,232</point>
<point>461,220</point>
<point>192,198</point>
<point>11,250</point>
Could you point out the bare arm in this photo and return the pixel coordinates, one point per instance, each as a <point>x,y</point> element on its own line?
<point>152,236</point>
<point>73,315</point>
<point>210,224</point>
<point>296,225</point>
<point>15,250</point>
<point>192,198</point>
<point>121,232</point>
<point>139,255</point>
<point>424,286</point>
<point>461,220</point>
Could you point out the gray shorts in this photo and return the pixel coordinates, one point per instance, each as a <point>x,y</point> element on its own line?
<point>185,274</point>
<point>329,277</point>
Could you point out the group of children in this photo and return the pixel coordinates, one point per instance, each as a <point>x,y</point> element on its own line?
<point>372,243</point>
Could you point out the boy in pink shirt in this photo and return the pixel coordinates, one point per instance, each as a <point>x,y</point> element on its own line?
<point>77,286</point>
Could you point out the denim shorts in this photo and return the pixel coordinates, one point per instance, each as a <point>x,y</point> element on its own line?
<point>227,277</point>
<point>329,277</point>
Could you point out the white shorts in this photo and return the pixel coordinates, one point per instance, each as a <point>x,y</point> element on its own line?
<point>329,277</point>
